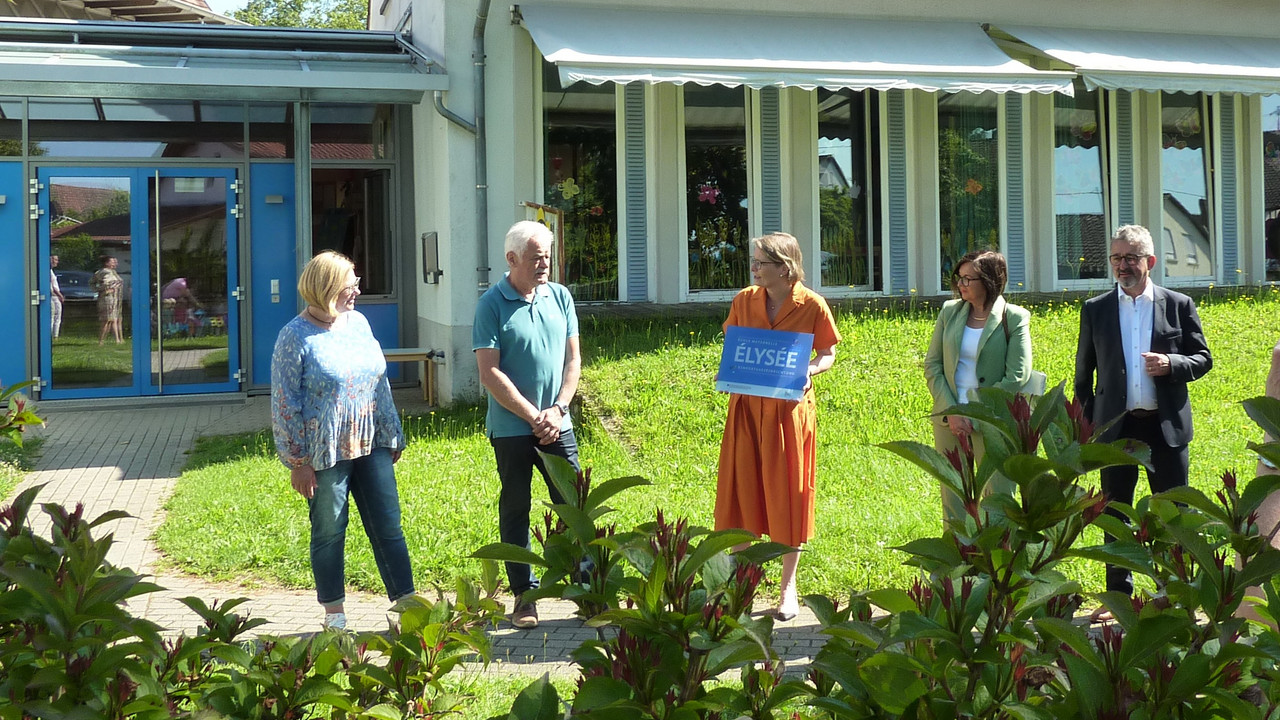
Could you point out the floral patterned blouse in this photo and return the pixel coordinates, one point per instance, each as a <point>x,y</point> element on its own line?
<point>330,398</point>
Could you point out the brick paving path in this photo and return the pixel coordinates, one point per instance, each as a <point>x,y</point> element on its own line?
<point>128,456</point>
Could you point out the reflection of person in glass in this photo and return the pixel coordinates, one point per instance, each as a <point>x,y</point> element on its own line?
<point>55,299</point>
<point>337,430</point>
<point>177,294</point>
<point>768,453</point>
<point>110,287</point>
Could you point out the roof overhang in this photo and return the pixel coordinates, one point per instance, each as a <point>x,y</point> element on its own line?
<point>624,45</point>
<point>109,59</point>
<point>1172,62</point>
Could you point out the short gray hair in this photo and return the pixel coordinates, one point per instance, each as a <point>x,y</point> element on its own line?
<point>1138,236</point>
<point>521,233</point>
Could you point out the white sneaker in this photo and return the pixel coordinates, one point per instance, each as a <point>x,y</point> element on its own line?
<point>335,621</point>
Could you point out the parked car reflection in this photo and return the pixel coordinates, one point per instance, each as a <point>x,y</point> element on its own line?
<point>75,284</point>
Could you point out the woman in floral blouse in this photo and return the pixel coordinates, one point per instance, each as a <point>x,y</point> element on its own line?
<point>337,430</point>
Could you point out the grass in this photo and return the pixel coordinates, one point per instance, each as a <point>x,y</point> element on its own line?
<point>16,461</point>
<point>649,409</point>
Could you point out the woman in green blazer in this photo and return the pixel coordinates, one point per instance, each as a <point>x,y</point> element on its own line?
<point>978,341</point>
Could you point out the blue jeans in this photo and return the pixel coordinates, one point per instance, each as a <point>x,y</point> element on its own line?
<point>517,456</point>
<point>371,480</point>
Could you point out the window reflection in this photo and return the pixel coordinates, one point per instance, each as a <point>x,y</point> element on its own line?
<point>1271,181</point>
<point>849,244</point>
<point>97,127</point>
<point>1184,181</point>
<point>582,180</point>
<point>968,176</point>
<point>715,135</point>
<point>350,131</point>
<point>350,213</point>
<point>1079,206</point>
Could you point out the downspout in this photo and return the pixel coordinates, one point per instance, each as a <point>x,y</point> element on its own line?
<point>482,156</point>
<point>482,153</point>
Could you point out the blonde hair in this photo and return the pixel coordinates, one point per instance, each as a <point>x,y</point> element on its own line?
<point>784,248</point>
<point>322,279</point>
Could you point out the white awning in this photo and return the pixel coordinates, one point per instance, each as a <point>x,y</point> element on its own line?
<point>622,45</point>
<point>1118,60</point>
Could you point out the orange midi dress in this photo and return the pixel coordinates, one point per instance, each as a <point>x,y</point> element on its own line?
<point>767,456</point>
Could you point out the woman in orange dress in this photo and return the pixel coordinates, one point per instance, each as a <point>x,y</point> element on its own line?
<point>767,454</point>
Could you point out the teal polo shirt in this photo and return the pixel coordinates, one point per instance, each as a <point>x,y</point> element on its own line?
<point>531,339</point>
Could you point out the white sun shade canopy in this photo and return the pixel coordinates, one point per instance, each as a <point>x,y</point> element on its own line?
<point>1172,62</point>
<point>600,45</point>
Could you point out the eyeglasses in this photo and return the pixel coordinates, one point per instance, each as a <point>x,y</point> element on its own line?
<point>757,263</point>
<point>964,280</point>
<point>353,287</point>
<point>1126,259</point>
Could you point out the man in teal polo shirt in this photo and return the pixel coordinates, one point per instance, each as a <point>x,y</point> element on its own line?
<point>525,338</point>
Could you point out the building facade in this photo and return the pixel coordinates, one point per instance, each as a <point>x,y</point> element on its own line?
<point>185,172</point>
<point>890,138</point>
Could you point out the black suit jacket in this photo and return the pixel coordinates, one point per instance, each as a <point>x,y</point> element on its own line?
<point>1175,331</point>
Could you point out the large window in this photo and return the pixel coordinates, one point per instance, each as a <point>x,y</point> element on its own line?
<point>968,176</point>
<point>123,128</point>
<point>582,180</point>
<point>1079,196</point>
<point>716,180</point>
<point>1271,181</point>
<point>351,191</point>
<point>847,217</point>
<point>1188,243</point>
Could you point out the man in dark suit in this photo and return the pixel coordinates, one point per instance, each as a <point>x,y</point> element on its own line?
<point>1145,344</point>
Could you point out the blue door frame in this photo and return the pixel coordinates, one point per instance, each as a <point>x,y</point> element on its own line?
<point>145,336</point>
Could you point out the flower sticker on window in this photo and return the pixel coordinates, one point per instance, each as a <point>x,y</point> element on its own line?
<point>568,188</point>
<point>972,186</point>
<point>597,210</point>
<point>708,193</point>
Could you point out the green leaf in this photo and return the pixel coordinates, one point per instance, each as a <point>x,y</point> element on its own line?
<point>538,701</point>
<point>893,680</point>
<point>1265,412</point>
<point>941,550</point>
<point>1088,684</point>
<point>892,600</point>
<point>713,544</point>
<point>609,488</point>
<point>1073,637</point>
<point>1190,677</point>
<point>926,457</point>
<point>1150,637</point>
<point>1258,489</point>
<point>600,692</point>
<point>563,477</point>
<point>509,553</point>
<point>383,711</point>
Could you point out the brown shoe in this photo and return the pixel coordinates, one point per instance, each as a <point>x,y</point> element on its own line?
<point>525,615</point>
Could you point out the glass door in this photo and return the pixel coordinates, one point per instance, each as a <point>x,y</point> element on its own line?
<point>191,296</point>
<point>145,261</point>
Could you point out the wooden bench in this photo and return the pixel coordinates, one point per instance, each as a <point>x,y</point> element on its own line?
<point>427,368</point>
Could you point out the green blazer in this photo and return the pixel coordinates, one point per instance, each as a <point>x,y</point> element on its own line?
<point>1001,363</point>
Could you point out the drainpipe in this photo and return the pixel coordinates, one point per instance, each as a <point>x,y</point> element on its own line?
<point>482,154</point>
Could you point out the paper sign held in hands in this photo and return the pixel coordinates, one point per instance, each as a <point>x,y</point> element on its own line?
<point>768,363</point>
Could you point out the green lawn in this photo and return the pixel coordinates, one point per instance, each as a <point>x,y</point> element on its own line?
<point>649,408</point>
<point>16,461</point>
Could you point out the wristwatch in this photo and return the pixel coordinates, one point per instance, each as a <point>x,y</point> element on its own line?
<point>564,407</point>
